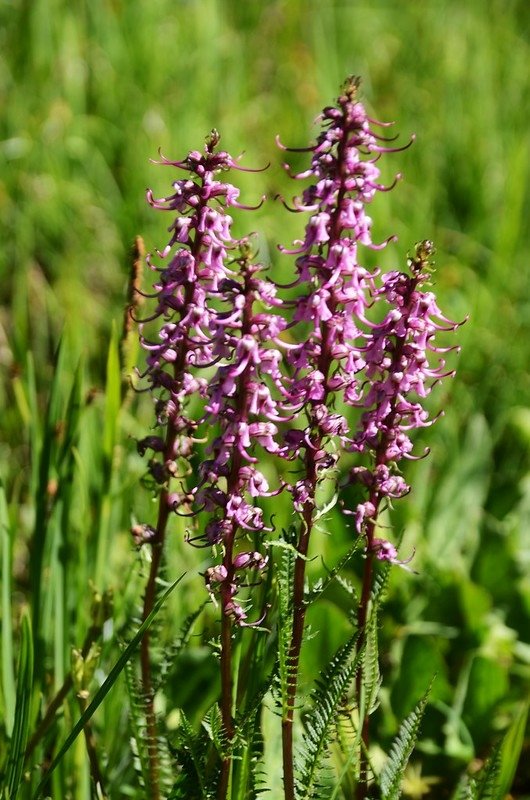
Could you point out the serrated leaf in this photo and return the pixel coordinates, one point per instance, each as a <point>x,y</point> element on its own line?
<point>285,623</point>
<point>466,790</point>
<point>193,753</point>
<point>496,778</point>
<point>333,574</point>
<point>400,752</point>
<point>371,675</point>
<point>137,723</point>
<point>327,698</point>
<point>327,507</point>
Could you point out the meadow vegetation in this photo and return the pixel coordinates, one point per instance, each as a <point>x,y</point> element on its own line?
<point>91,92</point>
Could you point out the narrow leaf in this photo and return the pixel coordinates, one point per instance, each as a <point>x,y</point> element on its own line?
<point>106,686</point>
<point>19,738</point>
<point>511,747</point>
<point>285,623</point>
<point>112,395</point>
<point>8,676</point>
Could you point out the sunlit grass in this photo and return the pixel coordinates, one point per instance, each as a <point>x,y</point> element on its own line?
<point>90,93</point>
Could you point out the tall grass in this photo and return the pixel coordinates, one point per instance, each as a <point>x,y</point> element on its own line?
<point>90,92</point>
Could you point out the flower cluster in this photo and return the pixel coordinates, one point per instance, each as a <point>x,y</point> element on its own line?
<point>343,367</point>
<point>345,356</point>
<point>398,377</point>
<point>340,290</point>
<point>206,318</point>
<point>241,402</point>
<point>200,241</point>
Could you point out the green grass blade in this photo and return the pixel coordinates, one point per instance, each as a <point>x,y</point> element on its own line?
<point>110,427</point>
<point>112,395</point>
<point>8,676</point>
<point>511,750</point>
<point>15,760</point>
<point>45,473</point>
<point>105,687</point>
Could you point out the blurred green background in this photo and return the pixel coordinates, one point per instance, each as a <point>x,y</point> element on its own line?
<point>90,91</point>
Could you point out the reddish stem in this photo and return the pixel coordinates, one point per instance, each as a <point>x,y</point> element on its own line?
<point>324,363</point>
<point>362,614</point>
<point>297,636</point>
<point>157,548</point>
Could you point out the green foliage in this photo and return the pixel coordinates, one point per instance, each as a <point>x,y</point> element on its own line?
<point>285,578</point>
<point>334,574</point>
<point>8,676</point>
<point>320,722</point>
<point>139,743</point>
<point>400,752</point>
<point>22,720</point>
<point>90,92</point>
<point>371,673</point>
<point>249,779</point>
<point>496,777</point>
<point>197,778</point>
<point>106,686</point>
<point>197,757</point>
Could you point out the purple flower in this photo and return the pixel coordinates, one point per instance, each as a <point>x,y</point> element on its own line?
<point>336,291</point>
<point>398,354</point>
<point>204,318</point>
<point>386,367</point>
<point>385,551</point>
<point>177,337</point>
<point>341,290</point>
<point>242,404</point>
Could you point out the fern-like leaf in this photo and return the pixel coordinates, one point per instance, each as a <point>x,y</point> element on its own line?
<point>172,652</point>
<point>501,767</point>
<point>137,721</point>
<point>319,588</point>
<point>320,723</point>
<point>371,675</point>
<point>400,752</point>
<point>466,789</point>
<point>285,623</point>
<point>380,583</point>
<point>248,780</point>
<point>213,724</point>
<point>197,770</point>
<point>496,777</point>
<point>255,703</point>
<point>488,782</point>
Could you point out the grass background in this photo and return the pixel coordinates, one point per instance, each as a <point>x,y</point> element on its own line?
<point>90,91</point>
